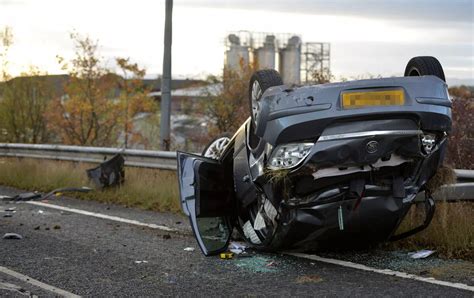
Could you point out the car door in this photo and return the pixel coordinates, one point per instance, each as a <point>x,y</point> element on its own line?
<point>206,194</point>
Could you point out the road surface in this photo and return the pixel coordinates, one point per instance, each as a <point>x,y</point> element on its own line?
<point>68,253</point>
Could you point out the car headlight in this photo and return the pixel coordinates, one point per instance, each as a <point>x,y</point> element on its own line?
<point>288,156</point>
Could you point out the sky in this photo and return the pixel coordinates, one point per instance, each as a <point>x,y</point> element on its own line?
<point>375,37</point>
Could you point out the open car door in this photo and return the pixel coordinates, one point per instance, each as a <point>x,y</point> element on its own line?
<point>206,194</point>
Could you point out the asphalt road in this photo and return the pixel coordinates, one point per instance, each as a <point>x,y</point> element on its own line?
<point>91,256</point>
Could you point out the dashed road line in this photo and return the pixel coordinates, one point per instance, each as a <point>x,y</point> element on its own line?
<point>103,216</point>
<point>37,283</point>
<point>383,271</point>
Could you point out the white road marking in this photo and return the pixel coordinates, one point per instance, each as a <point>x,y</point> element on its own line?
<point>103,216</point>
<point>299,255</point>
<point>383,271</point>
<point>37,283</point>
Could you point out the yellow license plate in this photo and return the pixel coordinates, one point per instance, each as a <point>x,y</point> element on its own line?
<point>355,100</point>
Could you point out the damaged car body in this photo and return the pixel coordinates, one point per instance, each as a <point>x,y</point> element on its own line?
<point>322,165</point>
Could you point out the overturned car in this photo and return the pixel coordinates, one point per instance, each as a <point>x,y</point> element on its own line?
<point>323,165</point>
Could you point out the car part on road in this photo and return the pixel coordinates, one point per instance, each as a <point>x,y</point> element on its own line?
<point>64,190</point>
<point>13,236</point>
<point>29,196</point>
<point>422,254</point>
<point>331,165</point>
<point>26,196</point>
<point>109,173</point>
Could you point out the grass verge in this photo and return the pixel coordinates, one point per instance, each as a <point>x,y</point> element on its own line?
<point>451,232</point>
<point>144,188</point>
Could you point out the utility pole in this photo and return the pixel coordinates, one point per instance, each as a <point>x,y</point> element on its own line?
<point>166,81</point>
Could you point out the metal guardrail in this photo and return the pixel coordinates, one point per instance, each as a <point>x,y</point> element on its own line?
<point>163,160</point>
<point>166,160</point>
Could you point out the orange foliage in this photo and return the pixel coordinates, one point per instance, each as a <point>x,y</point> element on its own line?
<point>92,113</point>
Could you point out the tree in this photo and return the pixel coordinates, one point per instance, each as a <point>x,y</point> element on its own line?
<point>86,115</point>
<point>6,41</point>
<point>23,106</point>
<point>230,108</point>
<point>23,100</point>
<point>321,77</point>
<point>134,98</point>
<point>461,139</point>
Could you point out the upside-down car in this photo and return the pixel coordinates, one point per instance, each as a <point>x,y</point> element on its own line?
<point>322,165</point>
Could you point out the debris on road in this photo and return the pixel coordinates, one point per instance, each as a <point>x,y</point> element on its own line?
<point>256,264</point>
<point>12,236</point>
<point>272,264</point>
<point>226,255</point>
<point>237,247</point>
<point>61,191</point>
<point>109,173</point>
<point>26,196</point>
<point>189,249</point>
<point>308,279</point>
<point>421,254</point>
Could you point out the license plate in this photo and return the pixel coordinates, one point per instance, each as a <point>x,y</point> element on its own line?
<point>361,99</point>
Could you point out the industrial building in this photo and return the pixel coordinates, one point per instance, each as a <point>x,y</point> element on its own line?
<point>296,60</point>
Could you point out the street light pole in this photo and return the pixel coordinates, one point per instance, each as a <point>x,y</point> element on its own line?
<point>166,81</point>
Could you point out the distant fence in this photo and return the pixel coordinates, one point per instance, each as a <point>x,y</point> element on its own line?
<point>166,160</point>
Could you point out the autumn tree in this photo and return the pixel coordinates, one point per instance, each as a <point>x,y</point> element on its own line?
<point>23,100</point>
<point>321,77</point>
<point>86,114</point>
<point>23,106</point>
<point>133,98</point>
<point>461,139</point>
<point>230,107</point>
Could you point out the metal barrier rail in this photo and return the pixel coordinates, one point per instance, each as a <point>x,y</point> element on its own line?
<point>136,158</point>
<point>166,160</point>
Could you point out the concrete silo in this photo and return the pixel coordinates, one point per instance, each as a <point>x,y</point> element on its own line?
<point>235,53</point>
<point>265,55</point>
<point>290,61</point>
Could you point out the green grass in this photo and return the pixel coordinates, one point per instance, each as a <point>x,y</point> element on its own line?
<point>451,232</point>
<point>143,188</point>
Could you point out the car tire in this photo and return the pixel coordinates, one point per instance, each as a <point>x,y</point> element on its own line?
<point>259,82</point>
<point>424,66</point>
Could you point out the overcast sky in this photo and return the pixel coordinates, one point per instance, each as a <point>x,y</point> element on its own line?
<point>366,36</point>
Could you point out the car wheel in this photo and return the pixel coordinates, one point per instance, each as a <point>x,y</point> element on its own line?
<point>216,147</point>
<point>260,81</point>
<point>424,66</point>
